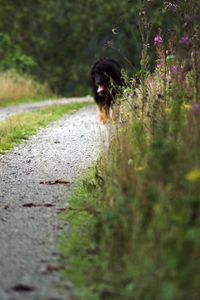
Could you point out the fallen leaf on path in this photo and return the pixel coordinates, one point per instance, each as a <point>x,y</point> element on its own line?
<point>53,268</point>
<point>31,204</point>
<point>23,288</point>
<point>7,206</point>
<point>60,210</point>
<point>57,181</point>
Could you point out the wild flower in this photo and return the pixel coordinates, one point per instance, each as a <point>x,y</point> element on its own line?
<point>169,5</point>
<point>185,106</point>
<point>146,45</point>
<point>172,69</point>
<point>168,110</point>
<point>158,40</point>
<point>185,40</point>
<point>158,66</point>
<point>195,109</point>
<point>115,30</point>
<point>130,162</point>
<point>150,83</point>
<point>139,168</point>
<point>193,175</point>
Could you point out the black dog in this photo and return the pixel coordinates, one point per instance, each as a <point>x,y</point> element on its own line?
<point>106,81</point>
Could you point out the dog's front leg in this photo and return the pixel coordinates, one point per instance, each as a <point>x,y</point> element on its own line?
<point>103,114</point>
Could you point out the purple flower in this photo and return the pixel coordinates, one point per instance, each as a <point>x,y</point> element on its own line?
<point>158,40</point>
<point>158,66</point>
<point>172,69</point>
<point>195,109</point>
<point>185,40</point>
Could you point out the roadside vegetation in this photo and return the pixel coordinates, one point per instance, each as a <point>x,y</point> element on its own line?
<point>17,84</point>
<point>15,130</point>
<point>135,216</point>
<point>16,89</point>
<point>58,41</point>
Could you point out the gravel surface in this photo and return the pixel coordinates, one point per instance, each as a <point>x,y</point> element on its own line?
<point>30,203</point>
<point>22,108</point>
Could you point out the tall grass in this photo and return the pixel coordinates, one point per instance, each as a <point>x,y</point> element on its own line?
<point>135,222</point>
<point>15,87</point>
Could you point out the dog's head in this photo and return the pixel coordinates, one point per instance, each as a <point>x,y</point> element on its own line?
<point>104,73</point>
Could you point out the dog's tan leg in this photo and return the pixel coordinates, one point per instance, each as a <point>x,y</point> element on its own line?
<point>103,114</point>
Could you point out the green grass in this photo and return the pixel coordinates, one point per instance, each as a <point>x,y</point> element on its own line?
<point>78,246</point>
<point>26,100</point>
<point>15,130</point>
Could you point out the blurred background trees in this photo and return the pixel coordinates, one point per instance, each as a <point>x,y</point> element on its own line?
<point>58,41</point>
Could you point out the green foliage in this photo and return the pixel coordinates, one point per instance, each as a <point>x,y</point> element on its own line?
<point>12,58</point>
<point>64,38</point>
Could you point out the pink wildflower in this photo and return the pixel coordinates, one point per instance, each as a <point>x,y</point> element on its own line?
<point>158,40</point>
<point>158,66</point>
<point>150,83</point>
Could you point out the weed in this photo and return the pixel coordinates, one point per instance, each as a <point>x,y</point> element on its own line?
<point>16,88</point>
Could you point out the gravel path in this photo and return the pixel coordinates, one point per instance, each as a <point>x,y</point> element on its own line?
<point>22,108</point>
<point>30,203</point>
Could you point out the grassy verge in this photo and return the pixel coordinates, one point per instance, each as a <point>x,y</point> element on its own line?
<point>16,129</point>
<point>135,218</point>
<point>135,221</point>
<point>26,100</point>
<point>78,246</point>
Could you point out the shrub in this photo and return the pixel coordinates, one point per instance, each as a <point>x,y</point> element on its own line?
<point>12,58</point>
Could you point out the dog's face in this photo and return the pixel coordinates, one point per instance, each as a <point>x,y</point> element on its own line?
<point>101,80</point>
<point>106,80</point>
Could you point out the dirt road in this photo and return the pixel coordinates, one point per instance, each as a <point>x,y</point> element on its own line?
<point>22,108</point>
<point>36,179</point>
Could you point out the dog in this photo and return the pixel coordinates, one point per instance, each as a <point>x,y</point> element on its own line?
<point>106,82</point>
